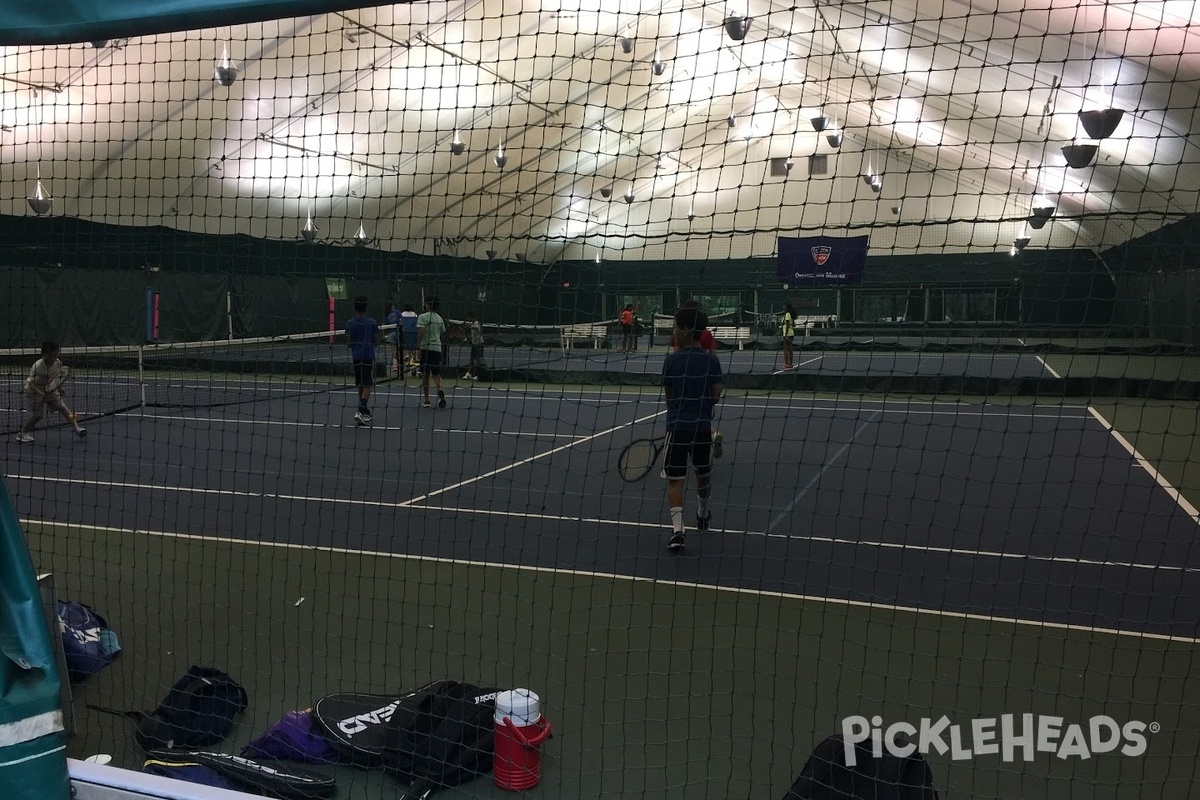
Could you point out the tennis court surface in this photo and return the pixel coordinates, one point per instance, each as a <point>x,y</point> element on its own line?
<point>907,557</point>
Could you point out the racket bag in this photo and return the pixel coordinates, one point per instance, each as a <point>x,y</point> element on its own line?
<point>355,724</point>
<point>281,781</point>
<point>827,776</point>
<point>449,740</point>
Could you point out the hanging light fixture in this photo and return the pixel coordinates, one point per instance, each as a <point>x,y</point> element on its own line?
<point>1041,210</point>
<point>309,231</point>
<point>361,239</point>
<point>1102,123</point>
<point>1079,156</point>
<point>457,146</point>
<point>491,254</point>
<point>629,194</point>
<point>737,27</point>
<point>40,201</point>
<point>626,43</point>
<point>606,191</point>
<point>691,213</point>
<point>658,67</point>
<point>834,138</point>
<point>226,71</point>
<point>822,121</point>
<point>500,159</point>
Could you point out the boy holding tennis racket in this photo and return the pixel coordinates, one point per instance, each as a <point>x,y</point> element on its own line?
<point>692,386</point>
<point>43,389</point>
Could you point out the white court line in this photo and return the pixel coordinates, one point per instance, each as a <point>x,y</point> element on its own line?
<point>952,409</point>
<point>524,461</point>
<point>372,427</point>
<point>833,601</point>
<point>821,472</point>
<point>1045,366</point>
<point>1145,464</point>
<point>612,523</point>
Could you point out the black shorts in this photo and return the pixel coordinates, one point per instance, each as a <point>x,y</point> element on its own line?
<point>477,352</point>
<point>683,446</point>
<point>431,362</point>
<point>364,373</point>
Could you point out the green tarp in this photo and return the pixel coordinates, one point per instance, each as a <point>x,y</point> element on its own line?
<point>33,763</point>
<point>67,21</point>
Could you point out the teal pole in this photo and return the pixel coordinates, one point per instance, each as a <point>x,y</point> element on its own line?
<point>33,757</point>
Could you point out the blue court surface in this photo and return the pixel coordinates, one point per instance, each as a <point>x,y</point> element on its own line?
<point>1037,513</point>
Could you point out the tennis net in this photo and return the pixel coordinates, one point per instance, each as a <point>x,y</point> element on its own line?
<point>109,380</point>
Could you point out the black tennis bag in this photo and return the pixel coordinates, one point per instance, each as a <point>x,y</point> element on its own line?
<point>198,712</point>
<point>826,776</point>
<point>448,741</point>
<point>356,724</point>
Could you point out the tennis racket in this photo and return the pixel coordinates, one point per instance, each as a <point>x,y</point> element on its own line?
<point>639,457</point>
<point>56,383</point>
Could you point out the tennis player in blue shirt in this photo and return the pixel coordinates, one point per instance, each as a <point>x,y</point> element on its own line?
<point>692,386</point>
<point>363,334</point>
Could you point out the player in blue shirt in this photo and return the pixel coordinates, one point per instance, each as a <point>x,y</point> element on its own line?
<point>692,386</point>
<point>362,332</point>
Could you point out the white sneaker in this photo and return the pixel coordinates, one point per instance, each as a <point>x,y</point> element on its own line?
<point>25,438</point>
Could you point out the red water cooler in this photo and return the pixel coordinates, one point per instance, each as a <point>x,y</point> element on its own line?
<point>520,731</point>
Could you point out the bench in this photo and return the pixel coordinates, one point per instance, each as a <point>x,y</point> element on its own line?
<point>732,333</point>
<point>597,332</point>
<point>822,321</point>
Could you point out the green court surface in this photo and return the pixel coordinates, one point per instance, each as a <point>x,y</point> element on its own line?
<point>1132,366</point>
<point>656,690</point>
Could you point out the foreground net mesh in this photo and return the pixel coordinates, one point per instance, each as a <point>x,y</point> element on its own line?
<point>953,489</point>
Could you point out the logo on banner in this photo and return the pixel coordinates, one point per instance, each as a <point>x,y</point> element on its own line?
<point>820,254</point>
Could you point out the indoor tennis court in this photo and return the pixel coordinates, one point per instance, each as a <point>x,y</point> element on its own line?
<point>944,257</point>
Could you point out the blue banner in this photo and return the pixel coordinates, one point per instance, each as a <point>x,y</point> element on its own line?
<point>822,260</point>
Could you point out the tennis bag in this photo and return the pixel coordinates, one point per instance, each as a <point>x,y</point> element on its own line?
<point>355,724</point>
<point>197,712</point>
<point>88,643</point>
<point>826,776</point>
<point>448,741</point>
<point>280,781</point>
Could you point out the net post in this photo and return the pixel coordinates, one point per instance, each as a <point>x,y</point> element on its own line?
<point>141,366</point>
<point>229,313</point>
<point>332,318</point>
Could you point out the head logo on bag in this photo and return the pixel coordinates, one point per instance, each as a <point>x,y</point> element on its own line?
<point>354,724</point>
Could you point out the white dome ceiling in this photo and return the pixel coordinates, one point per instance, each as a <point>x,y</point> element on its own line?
<point>961,107</point>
